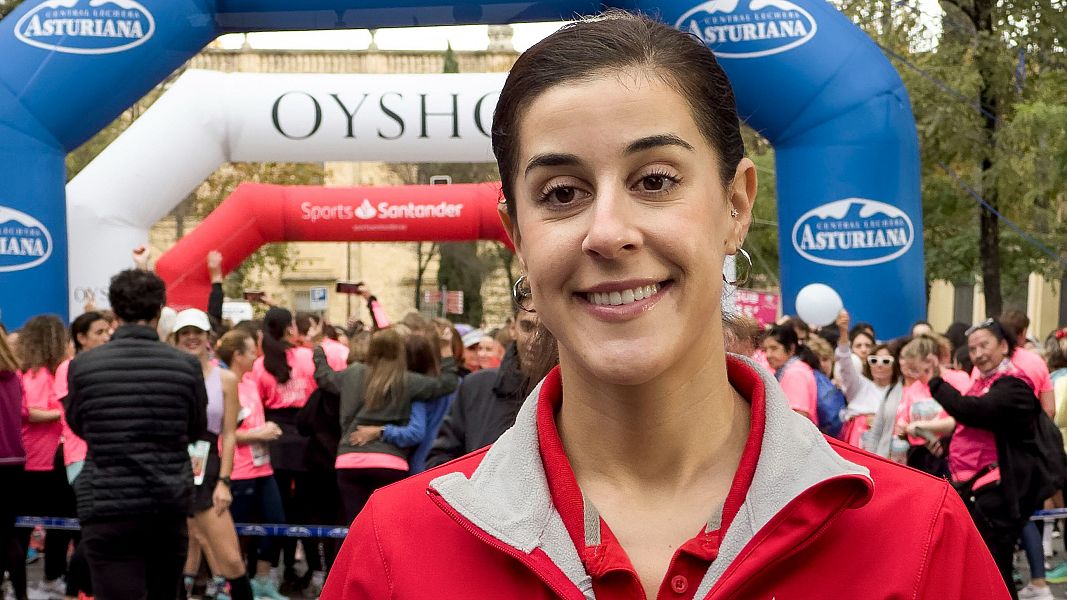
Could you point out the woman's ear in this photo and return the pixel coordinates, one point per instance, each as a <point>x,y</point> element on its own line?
<point>741,196</point>
<point>512,228</point>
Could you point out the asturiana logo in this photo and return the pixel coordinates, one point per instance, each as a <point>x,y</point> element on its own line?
<point>24,241</point>
<point>854,232</point>
<point>765,27</point>
<point>86,26</point>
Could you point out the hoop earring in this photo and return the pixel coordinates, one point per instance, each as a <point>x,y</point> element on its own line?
<point>740,273</point>
<point>521,294</point>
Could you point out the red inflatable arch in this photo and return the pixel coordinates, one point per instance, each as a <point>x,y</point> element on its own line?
<point>257,214</point>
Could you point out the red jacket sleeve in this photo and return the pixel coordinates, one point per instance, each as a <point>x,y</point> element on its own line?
<point>360,571</point>
<point>958,564</point>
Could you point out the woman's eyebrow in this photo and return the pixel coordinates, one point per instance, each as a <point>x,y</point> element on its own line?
<point>656,141</point>
<point>551,160</point>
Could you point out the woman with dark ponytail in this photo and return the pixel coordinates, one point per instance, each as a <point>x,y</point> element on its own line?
<point>285,377</point>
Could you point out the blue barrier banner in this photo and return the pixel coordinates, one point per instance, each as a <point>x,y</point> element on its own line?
<point>249,529</point>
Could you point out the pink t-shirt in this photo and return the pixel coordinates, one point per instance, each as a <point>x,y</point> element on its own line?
<point>798,383</point>
<point>74,448</point>
<point>250,460</point>
<point>336,354</point>
<point>40,439</point>
<point>293,393</point>
<point>1034,368</point>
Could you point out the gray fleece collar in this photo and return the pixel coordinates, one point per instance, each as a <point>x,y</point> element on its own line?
<point>508,497</point>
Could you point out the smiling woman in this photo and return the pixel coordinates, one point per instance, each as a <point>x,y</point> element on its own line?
<point>649,462</point>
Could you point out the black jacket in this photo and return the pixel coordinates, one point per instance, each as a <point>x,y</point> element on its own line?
<point>1010,410</point>
<point>136,402</point>
<point>485,408</point>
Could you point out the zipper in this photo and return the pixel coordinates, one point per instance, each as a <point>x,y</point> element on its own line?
<point>495,543</point>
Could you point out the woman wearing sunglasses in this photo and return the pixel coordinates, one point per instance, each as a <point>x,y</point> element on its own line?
<point>992,427</point>
<point>873,395</point>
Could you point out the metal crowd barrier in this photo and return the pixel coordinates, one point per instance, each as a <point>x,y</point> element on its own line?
<point>249,529</point>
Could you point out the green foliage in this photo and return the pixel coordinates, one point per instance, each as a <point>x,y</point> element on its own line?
<point>1003,57</point>
<point>762,240</point>
<point>6,6</point>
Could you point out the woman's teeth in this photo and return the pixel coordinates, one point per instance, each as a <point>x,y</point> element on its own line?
<point>623,297</point>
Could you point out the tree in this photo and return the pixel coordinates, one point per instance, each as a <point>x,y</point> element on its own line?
<point>988,95</point>
<point>222,183</point>
<point>7,6</point>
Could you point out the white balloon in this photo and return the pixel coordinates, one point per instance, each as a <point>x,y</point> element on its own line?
<point>818,304</point>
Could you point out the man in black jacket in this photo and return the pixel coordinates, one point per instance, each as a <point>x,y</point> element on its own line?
<point>488,400</point>
<point>137,403</point>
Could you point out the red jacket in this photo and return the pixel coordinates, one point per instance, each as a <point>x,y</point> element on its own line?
<point>821,519</point>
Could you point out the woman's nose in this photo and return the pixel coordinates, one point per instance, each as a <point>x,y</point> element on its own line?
<point>612,230</point>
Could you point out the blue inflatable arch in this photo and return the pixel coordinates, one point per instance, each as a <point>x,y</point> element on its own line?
<point>806,78</point>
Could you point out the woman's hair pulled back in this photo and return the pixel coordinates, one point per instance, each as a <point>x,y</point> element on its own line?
<point>616,42</point>
<point>232,342</point>
<point>786,336</point>
<point>275,322</point>
<point>82,325</point>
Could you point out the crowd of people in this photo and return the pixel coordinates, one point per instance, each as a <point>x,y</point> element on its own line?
<point>977,405</point>
<point>195,424</point>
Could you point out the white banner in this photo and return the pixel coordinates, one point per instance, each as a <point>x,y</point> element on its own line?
<point>207,118</point>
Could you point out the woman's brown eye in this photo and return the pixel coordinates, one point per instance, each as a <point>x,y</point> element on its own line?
<point>563,195</point>
<point>654,183</point>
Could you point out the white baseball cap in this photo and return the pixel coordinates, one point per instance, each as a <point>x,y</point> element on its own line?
<point>472,337</point>
<point>191,317</point>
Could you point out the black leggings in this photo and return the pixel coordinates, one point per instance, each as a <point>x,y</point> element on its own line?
<point>296,500</point>
<point>49,495</point>
<point>357,485</point>
<point>257,501</point>
<point>12,552</point>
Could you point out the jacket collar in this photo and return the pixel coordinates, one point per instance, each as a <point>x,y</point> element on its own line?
<point>508,496</point>
<point>135,331</point>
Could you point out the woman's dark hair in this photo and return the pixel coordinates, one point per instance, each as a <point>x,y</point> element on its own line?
<point>276,321</point>
<point>963,358</point>
<point>82,325</point>
<point>616,42</point>
<point>42,343</point>
<point>137,295</point>
<point>858,331</point>
<point>786,336</point>
<point>894,351</point>
<point>994,327</point>
<point>422,354</point>
<point>1056,350</point>
<point>957,334</point>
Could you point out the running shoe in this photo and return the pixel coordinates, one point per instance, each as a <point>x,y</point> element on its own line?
<point>1057,575</point>
<point>1032,592</point>
<point>314,588</point>
<point>264,588</point>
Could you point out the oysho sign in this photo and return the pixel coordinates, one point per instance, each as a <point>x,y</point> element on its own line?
<point>749,28</point>
<point>24,241</point>
<point>86,26</point>
<point>854,232</point>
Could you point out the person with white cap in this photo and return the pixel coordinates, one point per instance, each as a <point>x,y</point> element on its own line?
<point>210,522</point>
<point>471,339</point>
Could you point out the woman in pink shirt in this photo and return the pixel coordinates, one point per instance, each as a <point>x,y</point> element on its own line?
<point>42,347</point>
<point>256,498</point>
<point>795,376</point>
<point>12,458</point>
<point>285,379</point>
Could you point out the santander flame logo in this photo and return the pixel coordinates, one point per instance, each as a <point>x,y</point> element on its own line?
<point>366,210</point>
